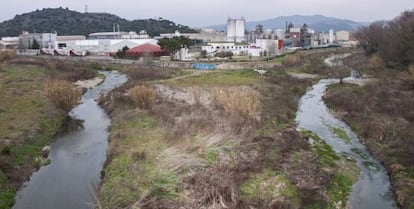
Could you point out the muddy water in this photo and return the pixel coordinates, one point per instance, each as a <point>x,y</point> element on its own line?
<point>372,191</point>
<point>76,158</point>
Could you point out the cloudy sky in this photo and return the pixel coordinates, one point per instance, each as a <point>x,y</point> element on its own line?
<point>209,12</point>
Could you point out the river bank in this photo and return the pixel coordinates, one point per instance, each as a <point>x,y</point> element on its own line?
<point>381,114</point>
<point>28,120</point>
<point>28,123</point>
<point>76,156</point>
<point>372,188</point>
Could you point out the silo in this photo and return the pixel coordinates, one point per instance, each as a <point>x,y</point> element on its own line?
<point>231,29</point>
<point>331,36</point>
<point>240,29</point>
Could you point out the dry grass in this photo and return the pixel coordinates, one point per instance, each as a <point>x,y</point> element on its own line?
<point>7,55</point>
<point>376,62</point>
<point>293,59</point>
<point>142,96</point>
<point>242,104</point>
<point>62,93</point>
<point>197,91</point>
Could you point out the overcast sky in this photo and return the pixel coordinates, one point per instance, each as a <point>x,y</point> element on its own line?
<point>210,12</point>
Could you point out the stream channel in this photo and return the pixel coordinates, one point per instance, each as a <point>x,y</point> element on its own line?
<point>77,158</point>
<point>372,190</point>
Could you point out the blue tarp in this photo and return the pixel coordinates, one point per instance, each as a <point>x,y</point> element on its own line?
<point>203,66</point>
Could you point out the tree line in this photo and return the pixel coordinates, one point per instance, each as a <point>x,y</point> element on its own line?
<point>393,41</point>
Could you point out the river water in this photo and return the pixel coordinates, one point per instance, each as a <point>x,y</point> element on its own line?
<point>372,190</point>
<point>77,158</point>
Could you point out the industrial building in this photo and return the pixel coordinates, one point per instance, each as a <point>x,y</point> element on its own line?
<point>261,33</point>
<point>45,40</point>
<point>119,35</point>
<point>206,35</point>
<point>342,36</point>
<point>103,47</point>
<point>236,30</point>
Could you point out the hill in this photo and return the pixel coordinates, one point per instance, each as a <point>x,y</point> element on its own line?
<point>318,22</point>
<point>67,22</point>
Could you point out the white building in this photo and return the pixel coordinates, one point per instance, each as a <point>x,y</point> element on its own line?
<point>342,36</point>
<point>235,48</point>
<point>236,30</point>
<point>9,42</point>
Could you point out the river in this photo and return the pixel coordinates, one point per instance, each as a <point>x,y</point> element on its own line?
<point>372,190</point>
<point>77,158</point>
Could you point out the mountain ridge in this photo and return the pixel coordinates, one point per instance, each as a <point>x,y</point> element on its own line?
<point>68,22</point>
<point>318,22</point>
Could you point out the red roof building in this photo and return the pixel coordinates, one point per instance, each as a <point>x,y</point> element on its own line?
<point>145,50</point>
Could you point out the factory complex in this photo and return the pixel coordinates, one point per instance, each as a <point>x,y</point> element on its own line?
<point>236,41</point>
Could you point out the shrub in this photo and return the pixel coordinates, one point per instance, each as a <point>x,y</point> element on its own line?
<point>6,150</point>
<point>224,54</point>
<point>62,93</point>
<point>142,96</point>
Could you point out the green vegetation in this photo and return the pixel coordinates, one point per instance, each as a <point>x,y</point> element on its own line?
<point>268,184</point>
<point>172,45</point>
<point>133,172</point>
<point>327,154</point>
<point>67,22</point>
<point>227,77</point>
<point>35,44</point>
<point>346,172</point>
<point>122,52</point>
<point>341,134</point>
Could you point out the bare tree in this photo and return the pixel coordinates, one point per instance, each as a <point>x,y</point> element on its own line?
<point>393,41</point>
